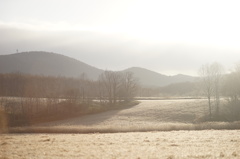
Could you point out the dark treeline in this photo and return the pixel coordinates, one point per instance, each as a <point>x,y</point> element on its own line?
<point>21,85</point>
<point>113,86</point>
<point>28,99</point>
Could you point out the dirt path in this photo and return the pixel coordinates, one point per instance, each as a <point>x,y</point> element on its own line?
<point>148,112</point>
<point>207,144</point>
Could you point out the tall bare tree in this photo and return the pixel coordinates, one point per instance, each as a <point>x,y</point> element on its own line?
<point>211,76</point>
<point>206,84</point>
<point>111,82</point>
<point>217,74</point>
<point>129,86</point>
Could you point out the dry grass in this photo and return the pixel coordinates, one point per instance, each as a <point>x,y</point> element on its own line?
<point>3,122</point>
<point>210,144</point>
<point>144,131</point>
<point>148,112</point>
<point>117,129</point>
<point>157,115</point>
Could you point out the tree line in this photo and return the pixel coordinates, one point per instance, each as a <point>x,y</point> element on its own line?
<point>30,97</point>
<point>111,86</point>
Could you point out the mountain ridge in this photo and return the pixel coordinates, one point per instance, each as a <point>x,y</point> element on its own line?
<point>46,63</point>
<point>151,79</point>
<point>53,64</point>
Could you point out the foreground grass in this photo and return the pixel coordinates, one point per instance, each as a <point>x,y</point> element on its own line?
<point>206,144</point>
<point>118,129</point>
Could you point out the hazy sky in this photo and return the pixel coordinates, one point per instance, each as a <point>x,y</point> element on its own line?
<point>166,36</point>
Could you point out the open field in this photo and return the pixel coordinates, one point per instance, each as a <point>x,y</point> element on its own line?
<point>207,144</point>
<point>148,112</point>
<point>149,115</point>
<point>141,131</point>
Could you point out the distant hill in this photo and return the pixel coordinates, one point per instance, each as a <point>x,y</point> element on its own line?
<point>45,63</point>
<point>152,79</point>
<point>52,64</point>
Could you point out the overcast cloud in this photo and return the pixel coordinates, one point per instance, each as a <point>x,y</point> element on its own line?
<point>168,37</point>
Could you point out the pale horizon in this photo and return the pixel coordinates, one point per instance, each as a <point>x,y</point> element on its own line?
<point>168,37</point>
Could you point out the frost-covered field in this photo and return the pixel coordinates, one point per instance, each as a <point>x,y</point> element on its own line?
<point>147,113</point>
<point>142,139</point>
<point>167,145</point>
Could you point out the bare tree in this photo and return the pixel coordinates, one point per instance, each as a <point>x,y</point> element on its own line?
<point>211,76</point>
<point>129,86</point>
<point>111,82</point>
<point>206,82</point>
<point>217,73</point>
